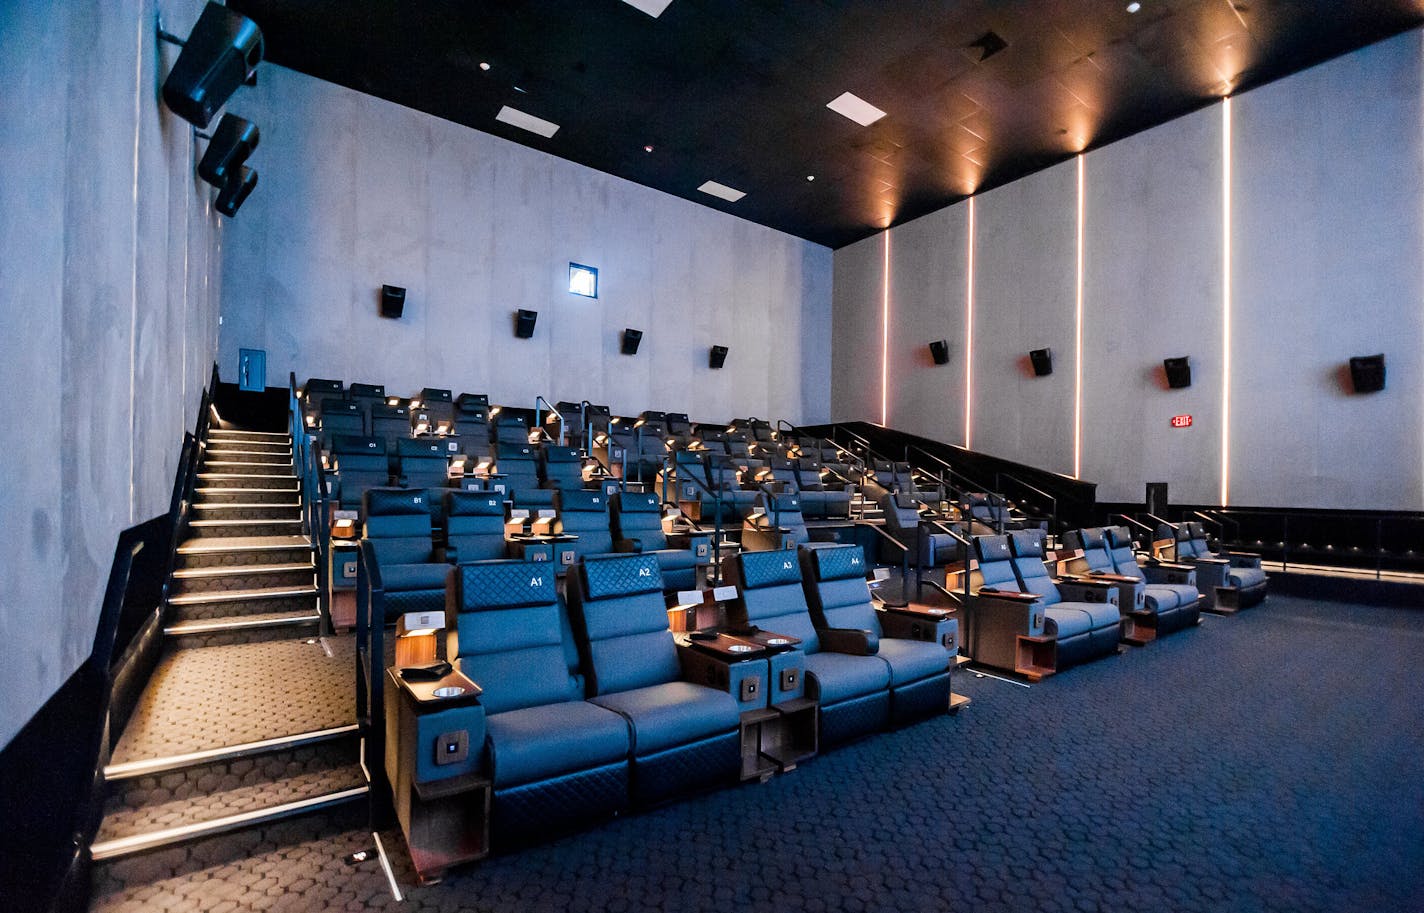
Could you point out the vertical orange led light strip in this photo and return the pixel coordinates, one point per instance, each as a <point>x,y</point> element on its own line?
<point>1225,298</point>
<point>885,336</point>
<point>969,331</point>
<point>1078,334</point>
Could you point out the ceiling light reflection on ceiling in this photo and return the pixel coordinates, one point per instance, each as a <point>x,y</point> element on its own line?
<point>653,8</point>
<point>1134,6</point>
<point>516,118</point>
<point>730,194</point>
<point>856,108</point>
<point>484,65</point>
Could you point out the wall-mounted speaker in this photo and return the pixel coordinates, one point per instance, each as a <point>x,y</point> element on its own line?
<point>233,141</point>
<point>1367,373</point>
<point>221,53</point>
<point>717,357</point>
<point>238,187</point>
<point>631,338</point>
<point>392,301</point>
<point>524,323</point>
<point>939,351</point>
<point>1042,360</point>
<point>1179,372</point>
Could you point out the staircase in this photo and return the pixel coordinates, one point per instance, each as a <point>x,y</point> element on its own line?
<point>249,716</point>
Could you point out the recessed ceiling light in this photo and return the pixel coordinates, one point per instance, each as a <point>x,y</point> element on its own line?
<point>810,177</point>
<point>520,90</point>
<point>484,65</point>
<point>648,148</point>
<point>653,8</point>
<point>730,194</point>
<point>1134,6</point>
<point>516,118</point>
<point>857,109</point>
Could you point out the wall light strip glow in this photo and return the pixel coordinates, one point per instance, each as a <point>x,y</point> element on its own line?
<point>969,332</point>
<point>1078,331</point>
<point>885,336</point>
<point>1225,300</point>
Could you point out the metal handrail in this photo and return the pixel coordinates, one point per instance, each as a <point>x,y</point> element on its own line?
<point>306,455</point>
<point>1053,501</point>
<point>669,462</point>
<point>371,679</point>
<point>538,417</point>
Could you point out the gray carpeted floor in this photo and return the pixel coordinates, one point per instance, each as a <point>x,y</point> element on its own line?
<point>1267,761</point>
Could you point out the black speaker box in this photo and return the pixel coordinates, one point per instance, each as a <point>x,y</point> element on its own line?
<point>233,141</point>
<point>239,185</point>
<point>1367,373</point>
<point>1042,360</point>
<point>1179,372</point>
<point>524,323</point>
<point>392,301</point>
<point>939,351</point>
<point>221,53</point>
<point>717,357</point>
<point>631,338</point>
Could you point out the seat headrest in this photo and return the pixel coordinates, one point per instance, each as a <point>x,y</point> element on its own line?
<point>473,503</point>
<point>620,575</point>
<point>395,502</point>
<point>385,410</point>
<point>635,503</point>
<point>504,584</point>
<point>339,407</point>
<point>836,562</point>
<point>1027,543</point>
<point>1183,532</point>
<point>763,569</point>
<point>992,548</point>
<point>368,391</point>
<point>471,412</point>
<point>578,499</point>
<point>420,447</point>
<point>435,395</point>
<point>976,499</point>
<point>320,385</point>
<point>782,504</point>
<point>1092,537</point>
<point>561,455</point>
<point>1198,530</point>
<point>1119,536</point>
<point>513,451</point>
<point>473,401</point>
<point>346,444</point>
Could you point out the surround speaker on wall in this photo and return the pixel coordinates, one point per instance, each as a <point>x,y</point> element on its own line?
<point>221,53</point>
<point>631,338</point>
<point>939,351</point>
<point>717,357</point>
<point>1367,373</point>
<point>232,142</point>
<point>392,301</point>
<point>238,187</point>
<point>524,323</point>
<point>1042,361</point>
<point>1179,372</point>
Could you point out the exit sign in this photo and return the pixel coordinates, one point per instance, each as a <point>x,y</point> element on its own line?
<point>1181,421</point>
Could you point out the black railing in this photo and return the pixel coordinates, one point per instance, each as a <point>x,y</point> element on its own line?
<point>306,460</point>
<point>371,680</point>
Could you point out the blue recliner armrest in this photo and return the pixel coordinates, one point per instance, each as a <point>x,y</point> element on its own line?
<point>745,680</point>
<point>854,641</point>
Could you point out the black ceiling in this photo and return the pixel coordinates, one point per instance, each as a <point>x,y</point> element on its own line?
<point>735,91</point>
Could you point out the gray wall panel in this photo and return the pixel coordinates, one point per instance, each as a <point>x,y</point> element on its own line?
<point>1025,297</point>
<point>475,227</point>
<point>859,271</point>
<point>1152,290</point>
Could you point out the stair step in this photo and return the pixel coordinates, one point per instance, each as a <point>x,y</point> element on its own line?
<point>214,455</point>
<point>229,624</point>
<point>217,494</point>
<point>256,446</point>
<point>233,467</point>
<point>242,595</point>
<point>228,528</point>
<point>146,766</point>
<point>209,573</point>
<point>210,580</point>
<point>248,480</point>
<point>255,511</point>
<point>237,434</point>
<point>243,551</point>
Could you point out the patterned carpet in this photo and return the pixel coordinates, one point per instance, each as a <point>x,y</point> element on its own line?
<point>1267,761</point>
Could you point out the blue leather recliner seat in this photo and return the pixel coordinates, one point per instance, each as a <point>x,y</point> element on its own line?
<point>554,758</point>
<point>1228,580</point>
<point>399,528</point>
<point>357,464</point>
<point>838,597</point>
<point>1088,625</point>
<point>1170,592</point>
<point>474,526</point>
<point>685,735</point>
<point>843,673</point>
<point>638,527</point>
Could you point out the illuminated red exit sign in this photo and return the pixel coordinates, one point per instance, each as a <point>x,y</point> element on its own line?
<point>1181,421</point>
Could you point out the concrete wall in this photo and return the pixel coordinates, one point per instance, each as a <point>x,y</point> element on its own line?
<point>358,192</point>
<point>1327,228</point>
<point>109,327</point>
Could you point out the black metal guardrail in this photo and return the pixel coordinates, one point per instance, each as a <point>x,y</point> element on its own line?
<point>316,507</point>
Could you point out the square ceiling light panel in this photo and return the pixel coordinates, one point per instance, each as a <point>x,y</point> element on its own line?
<point>856,108</point>
<point>653,8</point>
<point>517,118</point>
<point>730,194</point>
